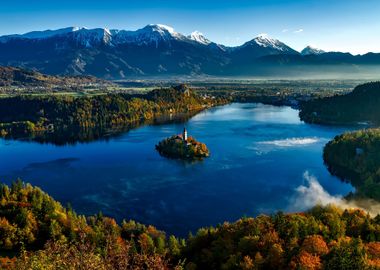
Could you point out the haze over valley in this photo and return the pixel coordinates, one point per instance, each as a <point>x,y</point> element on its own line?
<point>158,50</point>
<point>145,146</point>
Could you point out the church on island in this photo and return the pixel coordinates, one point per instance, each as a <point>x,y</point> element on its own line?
<point>182,146</point>
<point>183,136</point>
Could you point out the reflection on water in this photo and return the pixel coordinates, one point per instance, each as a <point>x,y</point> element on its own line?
<point>63,135</point>
<point>259,154</point>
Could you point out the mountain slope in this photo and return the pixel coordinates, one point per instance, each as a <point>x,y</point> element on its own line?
<point>309,50</point>
<point>10,76</point>
<point>158,50</point>
<point>245,58</point>
<point>152,50</point>
<point>199,37</point>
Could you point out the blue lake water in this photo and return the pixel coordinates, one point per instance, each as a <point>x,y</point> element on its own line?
<point>259,154</point>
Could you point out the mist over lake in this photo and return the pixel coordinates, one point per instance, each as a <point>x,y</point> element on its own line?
<point>259,154</point>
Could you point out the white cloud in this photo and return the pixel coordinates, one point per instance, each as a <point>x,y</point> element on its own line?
<point>298,31</point>
<point>312,193</point>
<point>285,30</point>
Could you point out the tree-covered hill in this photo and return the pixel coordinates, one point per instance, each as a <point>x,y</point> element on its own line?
<point>14,76</point>
<point>361,105</point>
<point>37,232</point>
<point>42,234</point>
<point>355,157</point>
<point>322,238</point>
<point>28,115</point>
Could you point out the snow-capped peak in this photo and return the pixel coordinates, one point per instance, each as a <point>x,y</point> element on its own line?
<point>263,36</point>
<point>107,31</point>
<point>270,45</point>
<point>310,50</point>
<point>91,37</point>
<point>44,34</point>
<point>264,40</point>
<point>162,27</point>
<point>199,37</point>
<point>152,33</point>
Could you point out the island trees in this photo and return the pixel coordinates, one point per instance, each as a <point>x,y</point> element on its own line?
<point>182,147</point>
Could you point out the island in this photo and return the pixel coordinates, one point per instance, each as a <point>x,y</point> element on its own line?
<point>182,146</point>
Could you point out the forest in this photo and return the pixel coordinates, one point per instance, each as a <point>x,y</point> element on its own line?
<point>355,157</point>
<point>22,116</point>
<point>352,156</point>
<point>362,105</point>
<point>37,232</point>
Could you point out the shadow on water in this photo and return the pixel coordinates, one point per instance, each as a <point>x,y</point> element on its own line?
<point>62,136</point>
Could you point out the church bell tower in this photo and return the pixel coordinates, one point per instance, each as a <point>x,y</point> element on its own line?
<point>184,134</point>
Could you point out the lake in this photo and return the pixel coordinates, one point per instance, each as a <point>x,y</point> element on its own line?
<point>260,155</point>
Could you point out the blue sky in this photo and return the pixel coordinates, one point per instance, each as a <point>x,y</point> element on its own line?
<point>342,25</point>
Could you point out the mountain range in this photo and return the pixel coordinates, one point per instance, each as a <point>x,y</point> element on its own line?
<point>158,50</point>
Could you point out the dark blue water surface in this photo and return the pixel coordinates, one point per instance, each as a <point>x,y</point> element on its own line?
<point>259,154</point>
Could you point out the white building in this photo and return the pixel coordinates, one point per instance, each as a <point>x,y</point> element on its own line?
<point>184,135</point>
